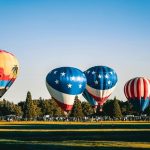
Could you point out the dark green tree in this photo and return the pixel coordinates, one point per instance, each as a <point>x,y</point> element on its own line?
<point>147,110</point>
<point>30,108</point>
<point>5,107</point>
<point>87,109</point>
<point>47,107</point>
<point>57,111</point>
<point>9,108</point>
<point>50,107</point>
<point>116,109</point>
<point>21,104</point>
<point>17,110</point>
<point>126,108</point>
<point>77,109</point>
<point>37,105</point>
<point>107,108</point>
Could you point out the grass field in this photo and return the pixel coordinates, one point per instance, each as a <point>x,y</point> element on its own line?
<point>71,136</point>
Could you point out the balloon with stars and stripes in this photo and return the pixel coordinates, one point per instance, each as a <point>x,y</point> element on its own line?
<point>137,91</point>
<point>64,84</point>
<point>101,81</point>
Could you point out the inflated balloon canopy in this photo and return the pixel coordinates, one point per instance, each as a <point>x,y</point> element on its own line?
<point>9,68</point>
<point>101,81</point>
<point>137,91</point>
<point>64,84</point>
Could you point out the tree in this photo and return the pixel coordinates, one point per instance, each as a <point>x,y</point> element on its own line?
<point>126,107</point>
<point>17,110</point>
<point>57,111</point>
<point>29,108</point>
<point>5,107</point>
<point>116,109</point>
<point>21,104</point>
<point>8,108</point>
<point>47,107</point>
<point>87,109</point>
<point>147,111</point>
<point>77,109</point>
<point>107,108</point>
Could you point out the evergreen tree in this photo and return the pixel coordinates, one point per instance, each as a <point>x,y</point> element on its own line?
<point>87,109</point>
<point>57,111</point>
<point>147,110</point>
<point>8,108</point>
<point>126,107</point>
<point>50,107</point>
<point>77,109</point>
<point>107,108</point>
<point>116,109</point>
<point>37,105</point>
<point>3,108</point>
<point>17,110</point>
<point>21,104</point>
<point>29,108</point>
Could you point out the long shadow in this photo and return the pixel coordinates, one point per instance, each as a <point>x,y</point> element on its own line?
<point>67,126</point>
<point>56,147</point>
<point>129,136</point>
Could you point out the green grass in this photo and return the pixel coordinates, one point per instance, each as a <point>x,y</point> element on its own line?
<point>80,144</point>
<point>75,136</point>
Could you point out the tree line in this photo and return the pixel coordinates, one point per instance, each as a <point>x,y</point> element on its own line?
<point>35,109</point>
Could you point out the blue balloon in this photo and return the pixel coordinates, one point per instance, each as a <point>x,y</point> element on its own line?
<point>101,81</point>
<point>89,98</point>
<point>64,84</point>
<point>106,77</point>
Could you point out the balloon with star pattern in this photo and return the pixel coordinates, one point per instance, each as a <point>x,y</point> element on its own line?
<point>101,81</point>
<point>64,84</point>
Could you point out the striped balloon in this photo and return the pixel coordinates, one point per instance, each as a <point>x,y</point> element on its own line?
<point>9,67</point>
<point>137,91</point>
<point>101,81</point>
<point>64,84</point>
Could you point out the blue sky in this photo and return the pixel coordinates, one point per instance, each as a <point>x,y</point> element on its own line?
<point>44,34</point>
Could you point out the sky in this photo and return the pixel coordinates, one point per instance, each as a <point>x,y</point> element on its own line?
<point>45,34</point>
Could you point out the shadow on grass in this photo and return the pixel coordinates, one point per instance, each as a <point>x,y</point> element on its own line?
<point>56,147</point>
<point>68,126</point>
<point>128,136</point>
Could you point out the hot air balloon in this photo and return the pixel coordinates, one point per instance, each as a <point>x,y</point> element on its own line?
<point>137,91</point>
<point>101,81</point>
<point>9,67</point>
<point>90,99</point>
<point>64,84</point>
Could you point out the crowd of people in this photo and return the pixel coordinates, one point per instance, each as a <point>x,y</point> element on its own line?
<point>77,119</point>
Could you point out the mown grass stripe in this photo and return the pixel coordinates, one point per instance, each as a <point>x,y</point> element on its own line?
<point>71,130</point>
<point>72,123</point>
<point>59,122</point>
<point>82,143</point>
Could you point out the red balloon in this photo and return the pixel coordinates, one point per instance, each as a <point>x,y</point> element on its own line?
<point>137,91</point>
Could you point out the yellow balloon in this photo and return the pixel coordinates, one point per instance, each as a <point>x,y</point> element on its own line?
<point>9,68</point>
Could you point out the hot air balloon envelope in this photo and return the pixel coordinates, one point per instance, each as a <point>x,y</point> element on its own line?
<point>64,84</point>
<point>90,99</point>
<point>137,91</point>
<point>9,67</point>
<point>101,81</point>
